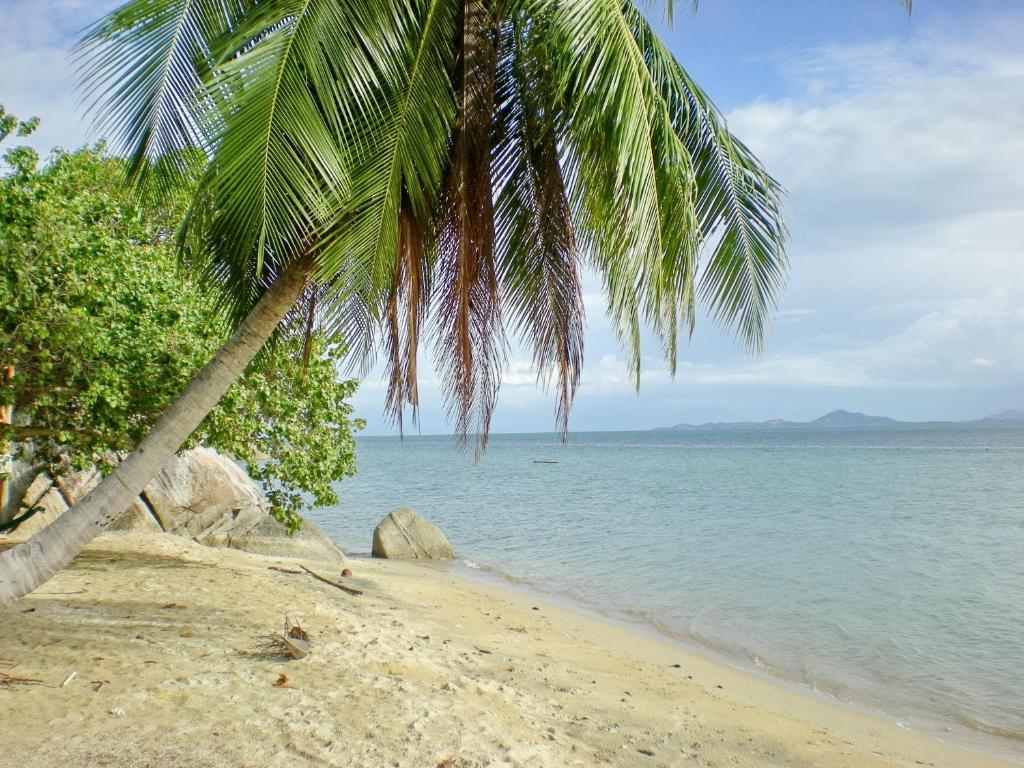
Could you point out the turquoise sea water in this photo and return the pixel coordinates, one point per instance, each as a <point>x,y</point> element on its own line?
<point>884,567</point>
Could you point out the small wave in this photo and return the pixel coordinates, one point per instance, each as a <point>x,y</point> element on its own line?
<point>991,730</point>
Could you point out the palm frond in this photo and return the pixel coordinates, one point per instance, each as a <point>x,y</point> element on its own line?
<point>407,307</point>
<point>738,206</point>
<point>142,71</point>
<point>297,77</point>
<point>631,180</point>
<point>468,339</point>
<point>396,185</point>
<point>536,242</point>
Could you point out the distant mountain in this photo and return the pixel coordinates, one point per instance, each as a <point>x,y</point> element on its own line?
<point>847,419</point>
<point>1011,414</point>
<point>850,419</point>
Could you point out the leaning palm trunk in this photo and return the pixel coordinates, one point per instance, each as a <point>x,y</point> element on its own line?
<point>26,566</point>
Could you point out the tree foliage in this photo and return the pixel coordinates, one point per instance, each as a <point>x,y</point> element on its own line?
<point>102,326</point>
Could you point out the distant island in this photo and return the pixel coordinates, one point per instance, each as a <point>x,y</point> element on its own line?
<point>847,419</point>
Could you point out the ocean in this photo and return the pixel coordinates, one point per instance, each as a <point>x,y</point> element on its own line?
<point>883,567</point>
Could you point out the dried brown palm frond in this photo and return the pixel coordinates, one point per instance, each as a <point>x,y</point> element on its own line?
<point>468,335</point>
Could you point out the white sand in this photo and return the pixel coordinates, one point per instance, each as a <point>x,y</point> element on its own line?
<point>423,669</point>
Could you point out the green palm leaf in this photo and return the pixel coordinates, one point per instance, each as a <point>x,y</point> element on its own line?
<point>143,68</point>
<point>396,183</point>
<point>738,205</point>
<point>631,179</point>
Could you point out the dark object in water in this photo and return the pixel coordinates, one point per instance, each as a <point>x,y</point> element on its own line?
<point>544,461</point>
<point>346,573</point>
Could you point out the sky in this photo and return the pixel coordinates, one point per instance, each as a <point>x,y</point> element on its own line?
<point>900,142</point>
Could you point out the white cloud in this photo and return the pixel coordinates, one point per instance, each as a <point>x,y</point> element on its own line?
<point>901,160</point>
<point>38,70</point>
<point>790,315</point>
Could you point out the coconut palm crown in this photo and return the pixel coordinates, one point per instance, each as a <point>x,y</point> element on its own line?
<point>449,167</point>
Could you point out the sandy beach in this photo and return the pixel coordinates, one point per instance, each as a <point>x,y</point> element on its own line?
<point>164,644</point>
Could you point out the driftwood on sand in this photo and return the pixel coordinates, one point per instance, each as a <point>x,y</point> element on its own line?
<point>318,577</point>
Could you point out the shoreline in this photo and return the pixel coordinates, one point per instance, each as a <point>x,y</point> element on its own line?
<point>490,578</point>
<point>982,740</point>
<point>425,668</point>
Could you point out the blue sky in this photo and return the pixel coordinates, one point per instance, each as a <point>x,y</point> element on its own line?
<point>900,143</point>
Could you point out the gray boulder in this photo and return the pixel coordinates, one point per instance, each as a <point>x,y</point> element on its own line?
<point>51,504</point>
<point>74,486</point>
<point>404,535</point>
<point>200,495</point>
<point>20,475</point>
<point>136,519</point>
<point>268,537</point>
<point>205,496</point>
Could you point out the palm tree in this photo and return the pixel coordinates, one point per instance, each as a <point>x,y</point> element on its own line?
<point>426,168</point>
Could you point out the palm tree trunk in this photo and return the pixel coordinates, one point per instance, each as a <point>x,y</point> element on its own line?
<point>26,566</point>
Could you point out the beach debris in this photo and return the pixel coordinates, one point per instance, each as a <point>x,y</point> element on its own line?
<point>645,751</point>
<point>97,684</point>
<point>318,577</point>
<point>68,679</point>
<point>172,606</point>
<point>677,666</point>
<point>483,650</point>
<point>544,461</point>
<point>325,580</point>
<point>281,681</point>
<point>7,682</point>
<point>346,573</point>
<point>296,639</point>
<point>117,712</point>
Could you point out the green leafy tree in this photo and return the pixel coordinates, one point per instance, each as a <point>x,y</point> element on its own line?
<point>101,329</point>
<point>438,169</point>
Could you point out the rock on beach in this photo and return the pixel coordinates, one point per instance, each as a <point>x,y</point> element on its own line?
<point>405,535</point>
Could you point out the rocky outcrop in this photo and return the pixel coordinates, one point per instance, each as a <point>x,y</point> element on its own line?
<point>19,474</point>
<point>47,499</point>
<point>204,496</point>
<point>267,537</point>
<point>200,495</point>
<point>404,535</point>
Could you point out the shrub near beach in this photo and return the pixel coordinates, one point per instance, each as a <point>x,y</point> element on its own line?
<point>103,325</point>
